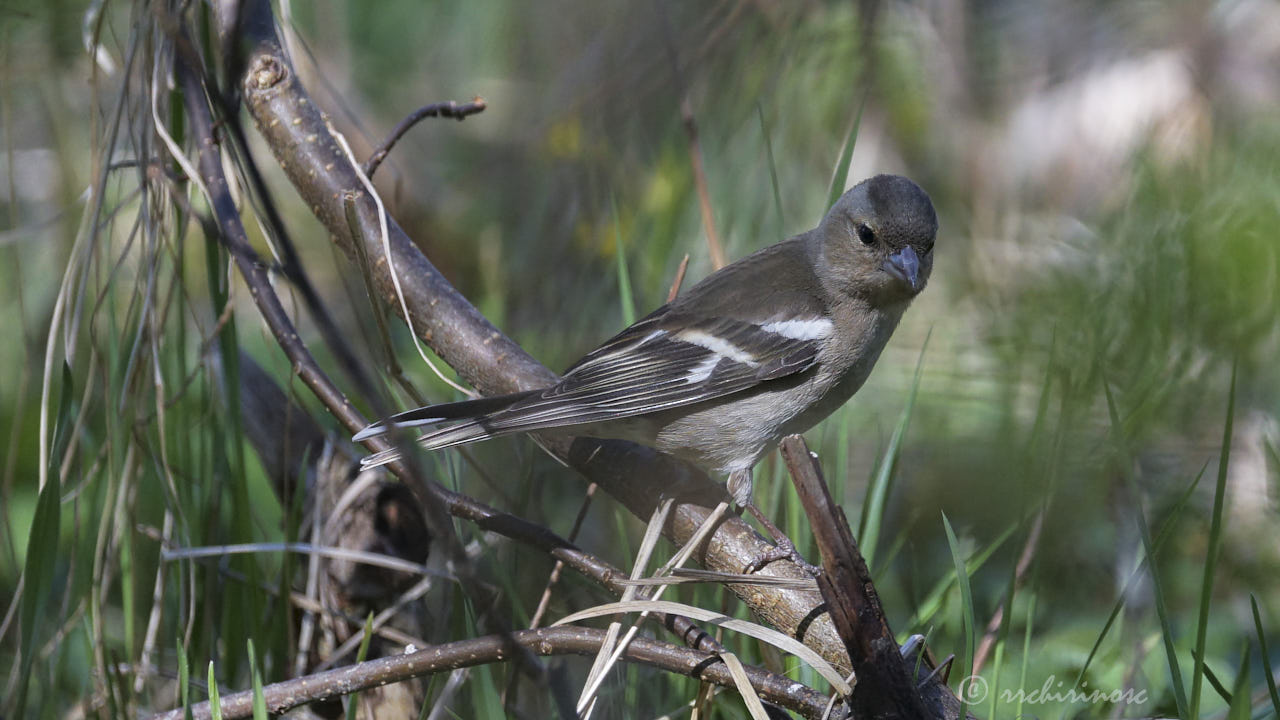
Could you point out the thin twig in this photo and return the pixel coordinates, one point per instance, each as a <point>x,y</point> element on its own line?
<point>390,562</point>
<point>448,109</point>
<point>568,640</point>
<point>378,622</point>
<point>1019,577</point>
<point>675,285</point>
<point>714,247</point>
<point>545,601</point>
<point>301,601</point>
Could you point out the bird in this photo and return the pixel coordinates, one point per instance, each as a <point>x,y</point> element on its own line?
<point>760,349</point>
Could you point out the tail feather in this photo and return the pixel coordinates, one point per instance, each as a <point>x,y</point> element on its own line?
<point>434,414</point>
<point>460,434</point>
<point>471,414</point>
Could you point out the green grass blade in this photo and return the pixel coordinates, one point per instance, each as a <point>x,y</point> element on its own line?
<point>1216,683</point>
<point>1157,589</point>
<point>486,693</point>
<point>42,562</point>
<point>1214,550</point>
<point>184,681</point>
<point>878,493</point>
<point>361,654</point>
<point>1271,450</point>
<point>1239,705</point>
<point>1165,531</point>
<point>128,601</point>
<point>1166,627</point>
<point>215,702</point>
<point>841,174</point>
<point>891,554</point>
<point>624,275</point>
<point>1006,621</point>
<point>426,706</point>
<point>1031,459</point>
<point>773,170</point>
<point>842,458</point>
<point>38,571</point>
<point>1266,656</point>
<point>259,702</point>
<point>915,670</point>
<point>1026,653</point>
<point>241,612</point>
<point>933,601</point>
<point>964,658</point>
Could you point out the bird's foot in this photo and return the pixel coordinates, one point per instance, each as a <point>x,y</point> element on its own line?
<point>783,548</point>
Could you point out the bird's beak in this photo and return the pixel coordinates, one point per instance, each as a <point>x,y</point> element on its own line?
<point>904,265</point>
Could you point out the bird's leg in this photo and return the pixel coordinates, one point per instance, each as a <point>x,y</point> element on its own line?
<point>740,489</point>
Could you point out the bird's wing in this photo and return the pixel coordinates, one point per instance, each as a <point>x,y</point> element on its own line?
<point>664,361</point>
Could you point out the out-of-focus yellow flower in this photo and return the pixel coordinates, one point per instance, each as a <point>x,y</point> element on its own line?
<point>564,138</point>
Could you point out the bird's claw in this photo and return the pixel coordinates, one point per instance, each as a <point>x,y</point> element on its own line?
<point>783,549</point>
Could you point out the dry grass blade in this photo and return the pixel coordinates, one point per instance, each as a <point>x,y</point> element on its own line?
<point>603,660</point>
<point>385,239</point>
<point>369,558</point>
<point>759,632</point>
<point>679,559</point>
<point>688,576</point>
<point>743,683</point>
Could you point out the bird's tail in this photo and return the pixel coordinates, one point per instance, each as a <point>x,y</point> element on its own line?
<point>469,418</point>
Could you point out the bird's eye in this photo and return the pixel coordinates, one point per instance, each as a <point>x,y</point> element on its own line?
<point>866,234</point>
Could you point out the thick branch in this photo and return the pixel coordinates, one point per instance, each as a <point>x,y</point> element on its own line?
<point>567,640</point>
<point>886,688</point>
<point>299,136</point>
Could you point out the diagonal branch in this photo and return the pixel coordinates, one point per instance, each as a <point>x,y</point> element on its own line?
<point>301,139</point>
<point>231,232</point>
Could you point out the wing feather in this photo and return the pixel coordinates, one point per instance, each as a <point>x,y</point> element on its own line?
<point>666,360</point>
<point>642,371</point>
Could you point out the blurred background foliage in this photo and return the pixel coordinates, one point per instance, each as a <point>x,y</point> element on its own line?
<point>1106,174</point>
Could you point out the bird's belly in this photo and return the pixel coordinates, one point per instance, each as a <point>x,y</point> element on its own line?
<point>724,437</point>
<point>728,436</point>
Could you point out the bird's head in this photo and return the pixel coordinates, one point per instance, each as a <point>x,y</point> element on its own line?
<point>878,239</point>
